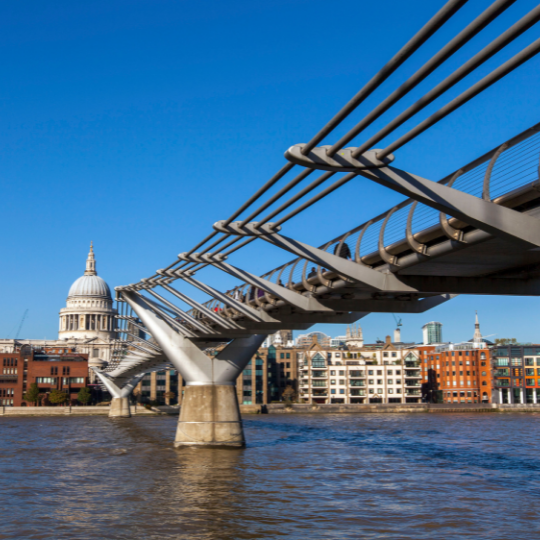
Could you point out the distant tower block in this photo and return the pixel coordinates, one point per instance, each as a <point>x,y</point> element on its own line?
<point>397,335</point>
<point>432,333</point>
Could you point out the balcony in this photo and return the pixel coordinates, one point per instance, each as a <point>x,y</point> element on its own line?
<point>412,365</point>
<point>319,386</point>
<point>413,393</point>
<point>414,384</point>
<point>8,377</point>
<point>413,374</point>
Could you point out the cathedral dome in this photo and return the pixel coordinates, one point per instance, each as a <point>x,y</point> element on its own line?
<point>90,284</point>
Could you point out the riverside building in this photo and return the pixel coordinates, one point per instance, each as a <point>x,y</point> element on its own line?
<point>516,373</point>
<point>457,372</point>
<point>378,373</point>
<point>67,372</point>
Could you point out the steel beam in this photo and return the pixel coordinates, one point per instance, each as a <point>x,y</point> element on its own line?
<point>248,311</point>
<point>385,305</point>
<point>476,285</point>
<point>304,303</point>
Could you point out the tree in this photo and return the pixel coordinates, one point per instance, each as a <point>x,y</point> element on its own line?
<point>33,394</point>
<point>505,341</point>
<point>288,394</point>
<point>137,395</point>
<point>169,396</point>
<point>84,396</point>
<point>57,397</point>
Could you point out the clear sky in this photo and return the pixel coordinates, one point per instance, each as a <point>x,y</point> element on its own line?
<point>137,124</point>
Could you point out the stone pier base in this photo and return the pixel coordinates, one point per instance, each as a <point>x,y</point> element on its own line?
<point>119,408</point>
<point>210,416</point>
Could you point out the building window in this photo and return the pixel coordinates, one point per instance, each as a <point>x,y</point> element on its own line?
<point>390,391</point>
<point>341,390</point>
<point>318,361</point>
<point>333,391</point>
<point>333,381</point>
<point>379,390</point>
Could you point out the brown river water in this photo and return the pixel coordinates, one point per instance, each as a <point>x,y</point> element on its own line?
<point>436,476</point>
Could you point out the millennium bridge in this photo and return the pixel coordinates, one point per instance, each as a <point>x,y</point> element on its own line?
<point>476,231</point>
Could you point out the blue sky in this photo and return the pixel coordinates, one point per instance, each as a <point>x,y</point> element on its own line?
<point>138,124</point>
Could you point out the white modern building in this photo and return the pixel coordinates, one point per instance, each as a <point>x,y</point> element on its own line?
<point>387,375</point>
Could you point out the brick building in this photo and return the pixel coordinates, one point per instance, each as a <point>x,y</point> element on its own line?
<point>65,371</point>
<point>456,372</point>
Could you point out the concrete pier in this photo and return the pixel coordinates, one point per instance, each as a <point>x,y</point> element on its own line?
<point>210,416</point>
<point>120,408</point>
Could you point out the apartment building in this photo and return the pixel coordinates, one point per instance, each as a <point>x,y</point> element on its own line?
<point>269,373</point>
<point>65,371</point>
<point>456,372</point>
<point>164,387</point>
<point>516,373</point>
<point>371,374</point>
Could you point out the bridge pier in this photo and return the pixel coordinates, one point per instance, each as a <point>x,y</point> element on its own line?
<point>120,408</point>
<point>120,395</point>
<point>210,416</point>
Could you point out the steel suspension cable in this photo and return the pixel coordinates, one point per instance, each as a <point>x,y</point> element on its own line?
<point>476,26</point>
<point>447,11</point>
<point>485,54</point>
<point>503,70</point>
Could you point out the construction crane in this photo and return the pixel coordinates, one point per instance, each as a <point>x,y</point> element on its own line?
<point>21,324</point>
<point>398,321</point>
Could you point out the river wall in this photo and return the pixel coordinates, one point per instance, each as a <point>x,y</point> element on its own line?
<point>281,408</point>
<point>357,408</point>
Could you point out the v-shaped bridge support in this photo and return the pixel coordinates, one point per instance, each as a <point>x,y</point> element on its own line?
<point>209,413</point>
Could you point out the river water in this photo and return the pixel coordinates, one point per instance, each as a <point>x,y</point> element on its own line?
<point>301,476</point>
